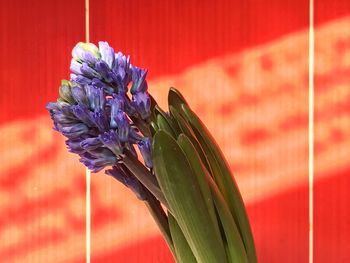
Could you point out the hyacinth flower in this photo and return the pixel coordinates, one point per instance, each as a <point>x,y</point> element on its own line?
<point>167,158</point>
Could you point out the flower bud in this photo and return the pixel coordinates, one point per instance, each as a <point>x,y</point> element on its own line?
<point>123,125</point>
<point>142,103</point>
<point>112,142</point>
<point>89,72</point>
<point>74,131</point>
<point>96,160</point>
<point>91,144</point>
<point>145,149</point>
<point>139,83</point>
<point>117,104</point>
<point>82,112</point>
<point>96,97</point>
<point>79,95</point>
<point>74,146</point>
<point>107,53</point>
<point>100,120</point>
<point>99,84</point>
<point>86,52</point>
<point>80,79</point>
<point>65,92</point>
<point>75,67</point>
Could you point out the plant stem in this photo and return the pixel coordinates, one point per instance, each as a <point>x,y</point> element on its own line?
<point>144,176</point>
<point>161,219</point>
<point>141,125</point>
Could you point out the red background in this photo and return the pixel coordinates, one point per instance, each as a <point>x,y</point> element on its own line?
<point>167,37</point>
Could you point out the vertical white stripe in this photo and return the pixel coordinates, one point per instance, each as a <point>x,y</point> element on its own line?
<point>88,173</point>
<point>311,130</point>
<point>88,216</point>
<point>87,21</point>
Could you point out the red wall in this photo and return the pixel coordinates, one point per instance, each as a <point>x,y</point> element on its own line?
<point>231,59</point>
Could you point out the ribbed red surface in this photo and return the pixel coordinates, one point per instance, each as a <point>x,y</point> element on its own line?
<point>243,65</point>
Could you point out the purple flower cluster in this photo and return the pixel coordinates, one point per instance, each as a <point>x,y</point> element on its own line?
<point>95,111</point>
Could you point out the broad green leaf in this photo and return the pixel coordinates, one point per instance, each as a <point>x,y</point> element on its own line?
<point>224,179</point>
<point>175,98</point>
<point>196,165</point>
<point>235,246</point>
<point>218,166</point>
<point>183,125</point>
<point>153,127</point>
<point>187,130</point>
<point>163,124</point>
<point>182,250</point>
<point>172,123</point>
<point>182,192</point>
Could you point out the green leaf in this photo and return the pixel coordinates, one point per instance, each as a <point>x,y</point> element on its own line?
<point>183,125</point>
<point>175,98</point>
<point>153,127</point>
<point>182,192</point>
<point>235,246</point>
<point>223,179</point>
<point>187,130</point>
<point>182,250</point>
<point>163,124</point>
<point>196,165</point>
<point>172,123</point>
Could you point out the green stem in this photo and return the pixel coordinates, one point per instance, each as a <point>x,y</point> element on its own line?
<point>144,176</point>
<point>161,219</point>
<point>141,125</point>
